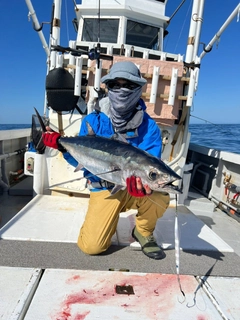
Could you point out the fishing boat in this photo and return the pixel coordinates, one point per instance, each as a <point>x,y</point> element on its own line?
<point>43,201</point>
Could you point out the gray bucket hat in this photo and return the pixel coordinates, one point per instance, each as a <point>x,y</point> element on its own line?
<point>125,70</point>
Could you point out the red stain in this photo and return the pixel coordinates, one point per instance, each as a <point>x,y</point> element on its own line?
<point>66,314</point>
<point>81,316</point>
<point>158,290</point>
<point>86,297</point>
<point>73,279</point>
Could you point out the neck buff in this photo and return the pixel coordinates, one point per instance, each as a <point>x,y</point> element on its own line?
<point>125,113</point>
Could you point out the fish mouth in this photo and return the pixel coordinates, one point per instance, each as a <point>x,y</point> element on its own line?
<point>170,187</point>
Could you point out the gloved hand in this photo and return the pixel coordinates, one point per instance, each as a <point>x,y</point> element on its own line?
<point>50,139</point>
<point>135,187</point>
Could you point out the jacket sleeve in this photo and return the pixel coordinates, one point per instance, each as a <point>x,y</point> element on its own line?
<point>150,137</point>
<point>70,159</point>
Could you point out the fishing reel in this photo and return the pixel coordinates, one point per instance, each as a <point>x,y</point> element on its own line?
<point>93,54</point>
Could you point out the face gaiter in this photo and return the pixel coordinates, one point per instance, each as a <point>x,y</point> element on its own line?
<point>124,110</point>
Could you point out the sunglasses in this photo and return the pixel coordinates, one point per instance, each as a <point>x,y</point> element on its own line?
<point>114,85</point>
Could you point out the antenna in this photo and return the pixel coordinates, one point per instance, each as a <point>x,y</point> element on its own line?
<point>98,49</point>
<point>95,53</point>
<point>98,21</point>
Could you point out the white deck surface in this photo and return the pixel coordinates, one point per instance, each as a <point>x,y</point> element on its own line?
<point>83,294</point>
<point>16,288</point>
<point>68,294</point>
<point>42,220</point>
<point>224,292</point>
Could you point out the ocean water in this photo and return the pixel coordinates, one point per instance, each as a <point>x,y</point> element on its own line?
<point>224,137</point>
<point>14,126</point>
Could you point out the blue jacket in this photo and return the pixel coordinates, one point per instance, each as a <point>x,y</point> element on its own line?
<point>148,139</point>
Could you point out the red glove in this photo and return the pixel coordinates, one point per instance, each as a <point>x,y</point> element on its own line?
<point>132,188</point>
<point>51,139</point>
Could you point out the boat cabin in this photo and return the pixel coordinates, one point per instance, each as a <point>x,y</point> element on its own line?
<point>122,26</point>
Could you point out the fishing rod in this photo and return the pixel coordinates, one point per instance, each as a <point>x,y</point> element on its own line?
<point>203,120</point>
<point>10,154</point>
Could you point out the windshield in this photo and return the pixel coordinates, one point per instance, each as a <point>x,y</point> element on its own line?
<point>142,35</point>
<point>108,30</point>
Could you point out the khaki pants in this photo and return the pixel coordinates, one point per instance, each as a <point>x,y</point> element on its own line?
<point>103,213</point>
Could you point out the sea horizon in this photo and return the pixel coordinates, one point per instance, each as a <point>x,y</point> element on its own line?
<point>225,137</point>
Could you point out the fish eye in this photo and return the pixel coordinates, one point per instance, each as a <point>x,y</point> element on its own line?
<point>152,175</point>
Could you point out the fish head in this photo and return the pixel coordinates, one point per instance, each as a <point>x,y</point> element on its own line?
<point>161,177</point>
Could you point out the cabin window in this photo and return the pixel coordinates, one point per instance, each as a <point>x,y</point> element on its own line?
<point>108,30</point>
<point>142,35</point>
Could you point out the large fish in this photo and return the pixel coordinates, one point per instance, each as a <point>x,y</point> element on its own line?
<point>114,161</point>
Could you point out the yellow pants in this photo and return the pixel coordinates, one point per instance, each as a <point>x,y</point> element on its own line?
<point>103,213</point>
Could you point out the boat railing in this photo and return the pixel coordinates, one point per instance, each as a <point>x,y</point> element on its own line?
<point>130,51</point>
<point>13,144</point>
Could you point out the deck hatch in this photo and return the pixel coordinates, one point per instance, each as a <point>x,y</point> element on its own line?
<point>124,289</point>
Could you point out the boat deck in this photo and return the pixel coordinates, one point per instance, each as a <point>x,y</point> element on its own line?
<point>40,258</point>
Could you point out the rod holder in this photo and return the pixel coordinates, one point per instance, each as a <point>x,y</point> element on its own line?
<point>97,80</point>
<point>155,78</point>
<point>78,77</point>
<point>173,87</point>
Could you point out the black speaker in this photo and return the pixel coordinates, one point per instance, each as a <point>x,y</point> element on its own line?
<point>60,90</point>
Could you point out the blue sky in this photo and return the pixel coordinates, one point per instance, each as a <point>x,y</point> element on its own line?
<point>23,60</point>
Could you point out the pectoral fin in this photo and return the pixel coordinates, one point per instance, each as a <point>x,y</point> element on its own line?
<point>79,167</point>
<point>116,188</point>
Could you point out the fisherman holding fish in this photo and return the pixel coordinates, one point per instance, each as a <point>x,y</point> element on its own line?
<point>121,114</point>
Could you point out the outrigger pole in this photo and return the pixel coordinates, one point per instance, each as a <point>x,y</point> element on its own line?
<point>192,70</point>
<point>37,26</point>
<point>208,48</point>
<point>193,61</point>
<point>53,60</point>
<point>56,60</point>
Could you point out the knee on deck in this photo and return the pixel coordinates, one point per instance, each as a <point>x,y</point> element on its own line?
<point>91,247</point>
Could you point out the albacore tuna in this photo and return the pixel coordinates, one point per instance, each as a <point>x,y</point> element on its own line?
<point>114,161</point>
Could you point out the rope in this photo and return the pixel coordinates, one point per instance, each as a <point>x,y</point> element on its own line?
<point>183,25</point>
<point>177,251</point>
<point>177,248</point>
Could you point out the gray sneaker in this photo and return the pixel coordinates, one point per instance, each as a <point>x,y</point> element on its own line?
<point>149,245</point>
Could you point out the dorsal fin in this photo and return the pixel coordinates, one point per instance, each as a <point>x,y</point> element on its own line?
<point>119,137</point>
<point>90,130</point>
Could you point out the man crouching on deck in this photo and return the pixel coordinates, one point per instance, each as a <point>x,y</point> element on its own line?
<point>122,112</point>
